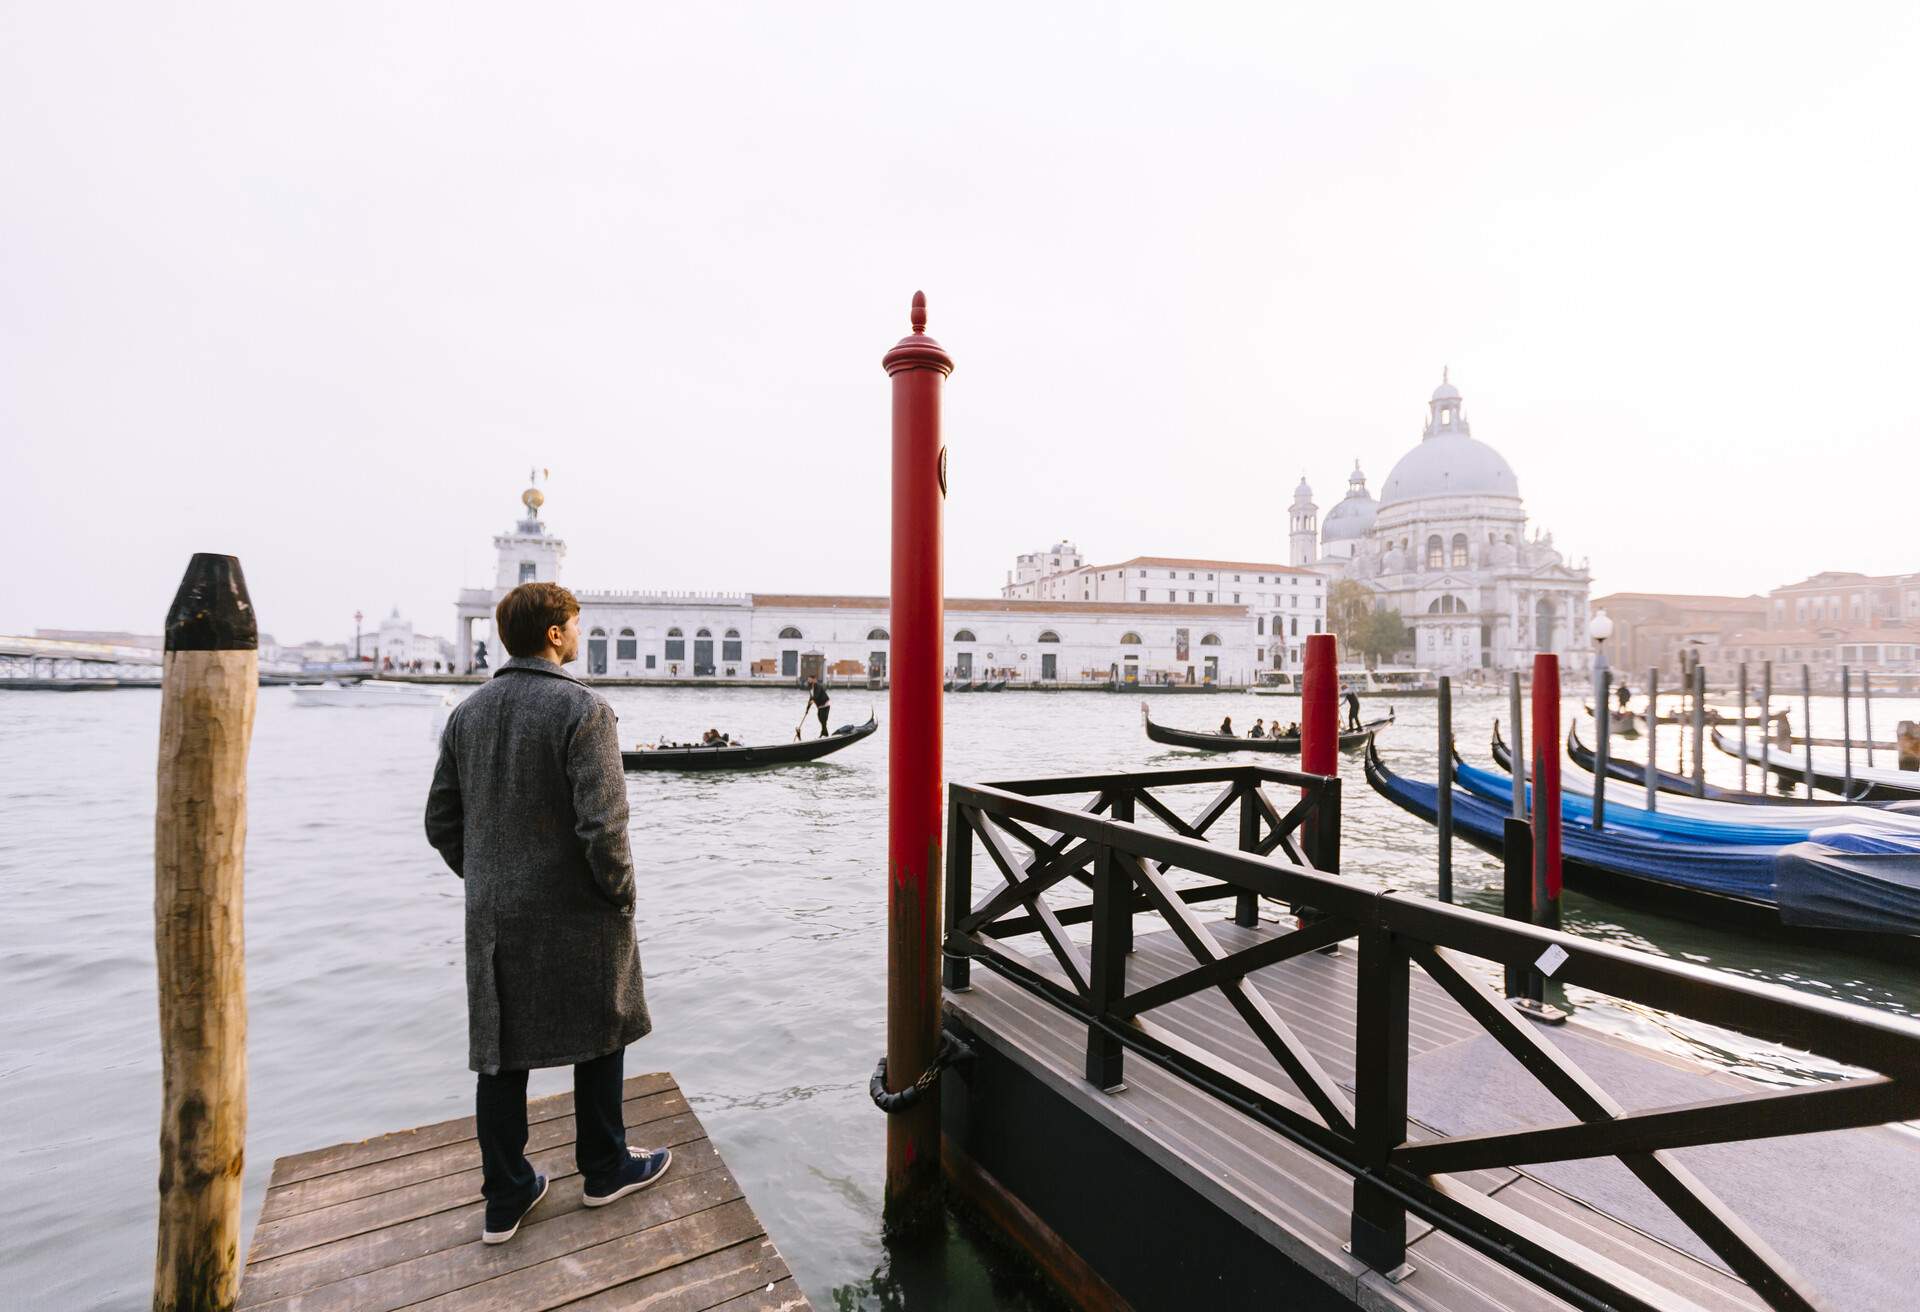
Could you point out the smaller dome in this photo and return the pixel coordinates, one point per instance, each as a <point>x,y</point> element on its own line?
<point>1303,492</point>
<point>1446,392</point>
<point>1353,515</point>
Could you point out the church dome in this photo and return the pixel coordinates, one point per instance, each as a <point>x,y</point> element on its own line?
<point>1353,515</point>
<point>1450,461</point>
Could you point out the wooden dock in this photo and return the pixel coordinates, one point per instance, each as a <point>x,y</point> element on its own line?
<point>394,1222</point>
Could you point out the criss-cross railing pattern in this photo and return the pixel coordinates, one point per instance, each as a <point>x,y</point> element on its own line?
<point>1036,846</point>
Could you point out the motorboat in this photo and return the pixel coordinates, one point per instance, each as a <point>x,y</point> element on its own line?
<point>368,694</point>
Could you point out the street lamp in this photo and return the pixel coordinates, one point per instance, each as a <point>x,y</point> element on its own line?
<point>1601,627</point>
<point>357,617</point>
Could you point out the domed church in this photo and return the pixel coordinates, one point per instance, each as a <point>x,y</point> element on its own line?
<point>1447,546</point>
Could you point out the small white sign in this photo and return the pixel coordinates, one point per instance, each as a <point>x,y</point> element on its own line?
<point>1551,960</point>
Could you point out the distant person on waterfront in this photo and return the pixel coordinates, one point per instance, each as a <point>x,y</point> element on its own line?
<point>529,807</point>
<point>817,697</point>
<point>1623,693</point>
<point>1257,731</point>
<point>1226,726</point>
<point>1353,709</point>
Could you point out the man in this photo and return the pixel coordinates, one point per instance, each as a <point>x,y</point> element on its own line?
<point>1353,709</point>
<point>1257,731</point>
<point>529,807</point>
<point>817,696</point>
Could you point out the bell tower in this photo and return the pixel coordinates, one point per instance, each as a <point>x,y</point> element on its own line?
<point>1304,519</point>
<point>529,553</point>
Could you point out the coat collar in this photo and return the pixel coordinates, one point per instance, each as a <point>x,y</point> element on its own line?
<point>532,665</point>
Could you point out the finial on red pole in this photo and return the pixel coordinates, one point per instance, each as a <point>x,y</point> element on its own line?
<point>918,366</point>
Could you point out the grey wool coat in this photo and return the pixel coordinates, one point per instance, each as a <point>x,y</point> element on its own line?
<point>529,807</point>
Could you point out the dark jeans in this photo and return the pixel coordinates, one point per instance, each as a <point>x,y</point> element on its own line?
<point>600,1132</point>
<point>823,720</point>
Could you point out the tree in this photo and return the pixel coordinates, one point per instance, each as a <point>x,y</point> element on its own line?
<point>1349,607</point>
<point>1381,634</point>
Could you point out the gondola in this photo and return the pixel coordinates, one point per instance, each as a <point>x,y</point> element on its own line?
<point>1870,783</point>
<point>1221,742</point>
<point>1623,724</point>
<point>1720,885</point>
<point>747,758</point>
<point>1666,781</point>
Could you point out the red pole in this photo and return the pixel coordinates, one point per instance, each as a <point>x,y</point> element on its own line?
<point>918,367</point>
<point>1546,788</point>
<point>1320,708</point>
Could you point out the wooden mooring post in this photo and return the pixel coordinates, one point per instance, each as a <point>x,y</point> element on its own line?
<point>918,367</point>
<point>210,678</point>
<point>1444,803</point>
<point>1653,737</point>
<point>1806,725</point>
<point>1518,730</point>
<point>1743,726</point>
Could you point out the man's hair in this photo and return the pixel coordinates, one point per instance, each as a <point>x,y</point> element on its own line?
<point>525,614</point>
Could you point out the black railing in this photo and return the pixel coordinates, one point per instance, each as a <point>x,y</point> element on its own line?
<point>1035,845</point>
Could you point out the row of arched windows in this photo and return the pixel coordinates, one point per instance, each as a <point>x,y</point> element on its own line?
<point>677,637</point>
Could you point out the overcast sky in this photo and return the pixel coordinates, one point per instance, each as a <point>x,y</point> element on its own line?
<point>317,284</point>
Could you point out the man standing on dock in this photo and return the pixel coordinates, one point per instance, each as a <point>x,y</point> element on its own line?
<point>529,807</point>
<point>817,697</point>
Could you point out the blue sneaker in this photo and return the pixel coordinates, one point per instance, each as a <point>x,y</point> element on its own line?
<point>503,1221</point>
<point>641,1169</point>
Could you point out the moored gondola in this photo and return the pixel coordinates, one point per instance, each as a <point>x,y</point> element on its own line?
<point>1666,781</point>
<point>1723,885</point>
<point>1223,742</point>
<point>1870,783</point>
<point>745,757</point>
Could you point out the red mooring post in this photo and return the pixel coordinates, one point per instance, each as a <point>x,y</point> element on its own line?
<point>1320,708</point>
<point>1546,789</point>
<point>918,367</point>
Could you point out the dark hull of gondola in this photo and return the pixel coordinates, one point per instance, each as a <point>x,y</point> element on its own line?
<point>1834,781</point>
<point>1219,742</point>
<point>1625,870</point>
<point>746,758</point>
<point>1632,772</point>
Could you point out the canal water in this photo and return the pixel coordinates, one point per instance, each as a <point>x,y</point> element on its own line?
<point>761,918</point>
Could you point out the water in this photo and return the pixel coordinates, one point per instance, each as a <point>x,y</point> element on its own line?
<point>762,930</point>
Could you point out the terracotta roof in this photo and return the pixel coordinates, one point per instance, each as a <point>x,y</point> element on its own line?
<point>998,605</point>
<point>1184,562</point>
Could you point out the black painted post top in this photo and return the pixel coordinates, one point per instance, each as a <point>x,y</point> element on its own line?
<point>212,611</point>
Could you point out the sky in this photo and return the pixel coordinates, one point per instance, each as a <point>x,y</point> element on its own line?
<point>316,285</point>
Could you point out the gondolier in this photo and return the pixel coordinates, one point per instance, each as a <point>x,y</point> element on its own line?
<point>1353,710</point>
<point>529,807</point>
<point>817,697</point>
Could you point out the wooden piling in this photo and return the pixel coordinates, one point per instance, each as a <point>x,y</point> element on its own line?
<point>1603,724</point>
<point>1806,723</point>
<point>1743,726</point>
<point>1519,733</point>
<point>1846,728</point>
<point>1653,737</point>
<point>1766,720</point>
<point>1866,706</point>
<point>1444,806</point>
<point>918,367</point>
<point>1699,729</point>
<point>210,678</point>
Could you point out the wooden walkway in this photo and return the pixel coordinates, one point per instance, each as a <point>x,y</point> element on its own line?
<point>1300,1204</point>
<point>394,1222</point>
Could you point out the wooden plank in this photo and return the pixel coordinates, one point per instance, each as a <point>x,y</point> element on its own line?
<point>339,1157</point>
<point>718,1278</point>
<point>559,1227</point>
<point>354,1255</point>
<point>325,1224</point>
<point>604,1266</point>
<point>780,1296</point>
<point>378,1177</point>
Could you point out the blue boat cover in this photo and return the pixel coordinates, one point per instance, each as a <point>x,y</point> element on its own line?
<point>1847,879</point>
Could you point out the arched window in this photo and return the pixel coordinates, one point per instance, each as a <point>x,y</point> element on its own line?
<point>676,645</point>
<point>675,633</point>
<point>965,635</point>
<point>1433,607</point>
<point>597,633</point>
<point>1129,640</point>
<point>1459,550</point>
<point>1048,635</point>
<point>733,633</point>
<point>730,646</point>
<point>703,633</point>
<point>1211,640</point>
<point>627,648</point>
<point>1436,552</point>
<point>789,632</point>
<point>876,635</point>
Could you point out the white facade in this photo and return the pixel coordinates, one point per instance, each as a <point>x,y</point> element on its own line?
<point>669,635</point>
<point>1448,547</point>
<point>1285,603</point>
<point>397,643</point>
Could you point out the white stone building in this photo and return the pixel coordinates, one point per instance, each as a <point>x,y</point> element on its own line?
<point>1447,546</point>
<point>784,636</point>
<point>1286,602</point>
<point>396,642</point>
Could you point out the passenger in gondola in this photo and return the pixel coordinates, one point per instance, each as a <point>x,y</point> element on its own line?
<point>1257,731</point>
<point>1226,727</point>
<point>1623,693</point>
<point>1293,730</point>
<point>1353,709</point>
